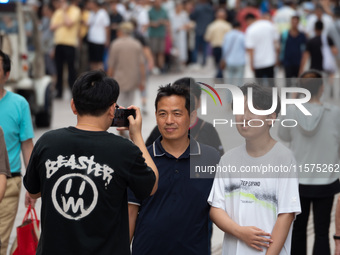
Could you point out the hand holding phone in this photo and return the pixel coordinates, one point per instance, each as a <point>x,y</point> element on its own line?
<point>121,117</point>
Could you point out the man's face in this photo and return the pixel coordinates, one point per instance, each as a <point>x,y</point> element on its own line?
<point>3,75</point>
<point>295,22</point>
<point>257,127</point>
<point>172,117</point>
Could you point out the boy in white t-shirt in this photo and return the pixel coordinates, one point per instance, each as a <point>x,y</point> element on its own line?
<point>256,210</point>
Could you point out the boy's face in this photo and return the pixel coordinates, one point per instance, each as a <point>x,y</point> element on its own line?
<point>172,118</point>
<point>258,126</point>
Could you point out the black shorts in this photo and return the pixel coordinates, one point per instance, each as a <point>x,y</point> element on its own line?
<point>96,52</point>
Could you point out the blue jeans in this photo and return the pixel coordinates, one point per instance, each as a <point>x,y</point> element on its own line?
<point>234,75</point>
<point>200,46</point>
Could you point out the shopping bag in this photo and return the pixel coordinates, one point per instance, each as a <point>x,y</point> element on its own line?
<point>28,234</point>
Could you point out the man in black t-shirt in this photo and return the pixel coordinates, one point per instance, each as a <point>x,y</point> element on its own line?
<point>82,174</point>
<point>314,50</point>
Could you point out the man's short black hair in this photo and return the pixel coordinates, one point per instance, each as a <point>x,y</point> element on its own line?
<point>93,93</point>
<point>176,90</point>
<point>312,81</point>
<point>262,97</point>
<point>249,16</point>
<point>6,62</point>
<point>318,25</point>
<point>236,24</point>
<point>191,84</point>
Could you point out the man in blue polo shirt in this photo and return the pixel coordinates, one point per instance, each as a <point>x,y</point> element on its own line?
<point>175,219</point>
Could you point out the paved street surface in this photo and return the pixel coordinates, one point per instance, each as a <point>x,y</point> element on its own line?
<point>63,116</point>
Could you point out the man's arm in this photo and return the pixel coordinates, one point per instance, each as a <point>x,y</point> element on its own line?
<point>108,36</point>
<point>337,227</point>
<point>3,182</point>
<point>135,131</point>
<point>252,236</point>
<point>304,60</point>
<point>251,58</point>
<point>280,232</point>
<point>133,213</point>
<point>26,148</point>
<point>334,50</point>
<point>142,74</point>
<point>149,57</point>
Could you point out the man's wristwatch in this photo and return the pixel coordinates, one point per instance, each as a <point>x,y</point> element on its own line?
<point>335,237</point>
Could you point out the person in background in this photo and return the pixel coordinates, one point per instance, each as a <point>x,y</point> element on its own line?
<point>215,34</point>
<point>262,45</point>
<point>47,40</point>
<point>202,15</point>
<point>65,25</point>
<point>157,32</point>
<point>149,63</point>
<point>318,15</point>
<point>5,171</point>
<point>115,19</point>
<point>292,45</point>
<point>314,50</point>
<point>15,120</point>
<point>98,34</point>
<point>234,55</point>
<point>309,140</point>
<point>126,64</point>
<point>282,17</point>
<point>180,23</point>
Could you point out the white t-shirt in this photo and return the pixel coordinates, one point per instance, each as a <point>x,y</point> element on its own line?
<point>261,36</point>
<point>327,21</point>
<point>98,22</point>
<point>255,201</point>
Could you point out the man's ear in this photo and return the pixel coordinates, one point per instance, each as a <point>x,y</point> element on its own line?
<point>193,116</point>
<point>73,107</point>
<point>112,110</point>
<point>198,104</point>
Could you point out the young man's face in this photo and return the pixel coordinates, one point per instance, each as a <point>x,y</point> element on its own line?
<point>253,129</point>
<point>172,117</point>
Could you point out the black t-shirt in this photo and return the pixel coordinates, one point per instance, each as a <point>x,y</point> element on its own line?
<point>203,132</point>
<point>314,48</point>
<point>140,38</point>
<point>83,178</point>
<point>115,18</point>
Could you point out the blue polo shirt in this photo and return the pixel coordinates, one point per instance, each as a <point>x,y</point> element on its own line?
<point>175,219</point>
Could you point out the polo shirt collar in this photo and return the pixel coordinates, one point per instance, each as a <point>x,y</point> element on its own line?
<point>193,150</point>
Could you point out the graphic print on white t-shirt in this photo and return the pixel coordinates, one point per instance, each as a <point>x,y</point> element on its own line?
<point>75,195</point>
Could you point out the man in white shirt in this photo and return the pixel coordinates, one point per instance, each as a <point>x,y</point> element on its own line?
<point>262,45</point>
<point>98,35</point>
